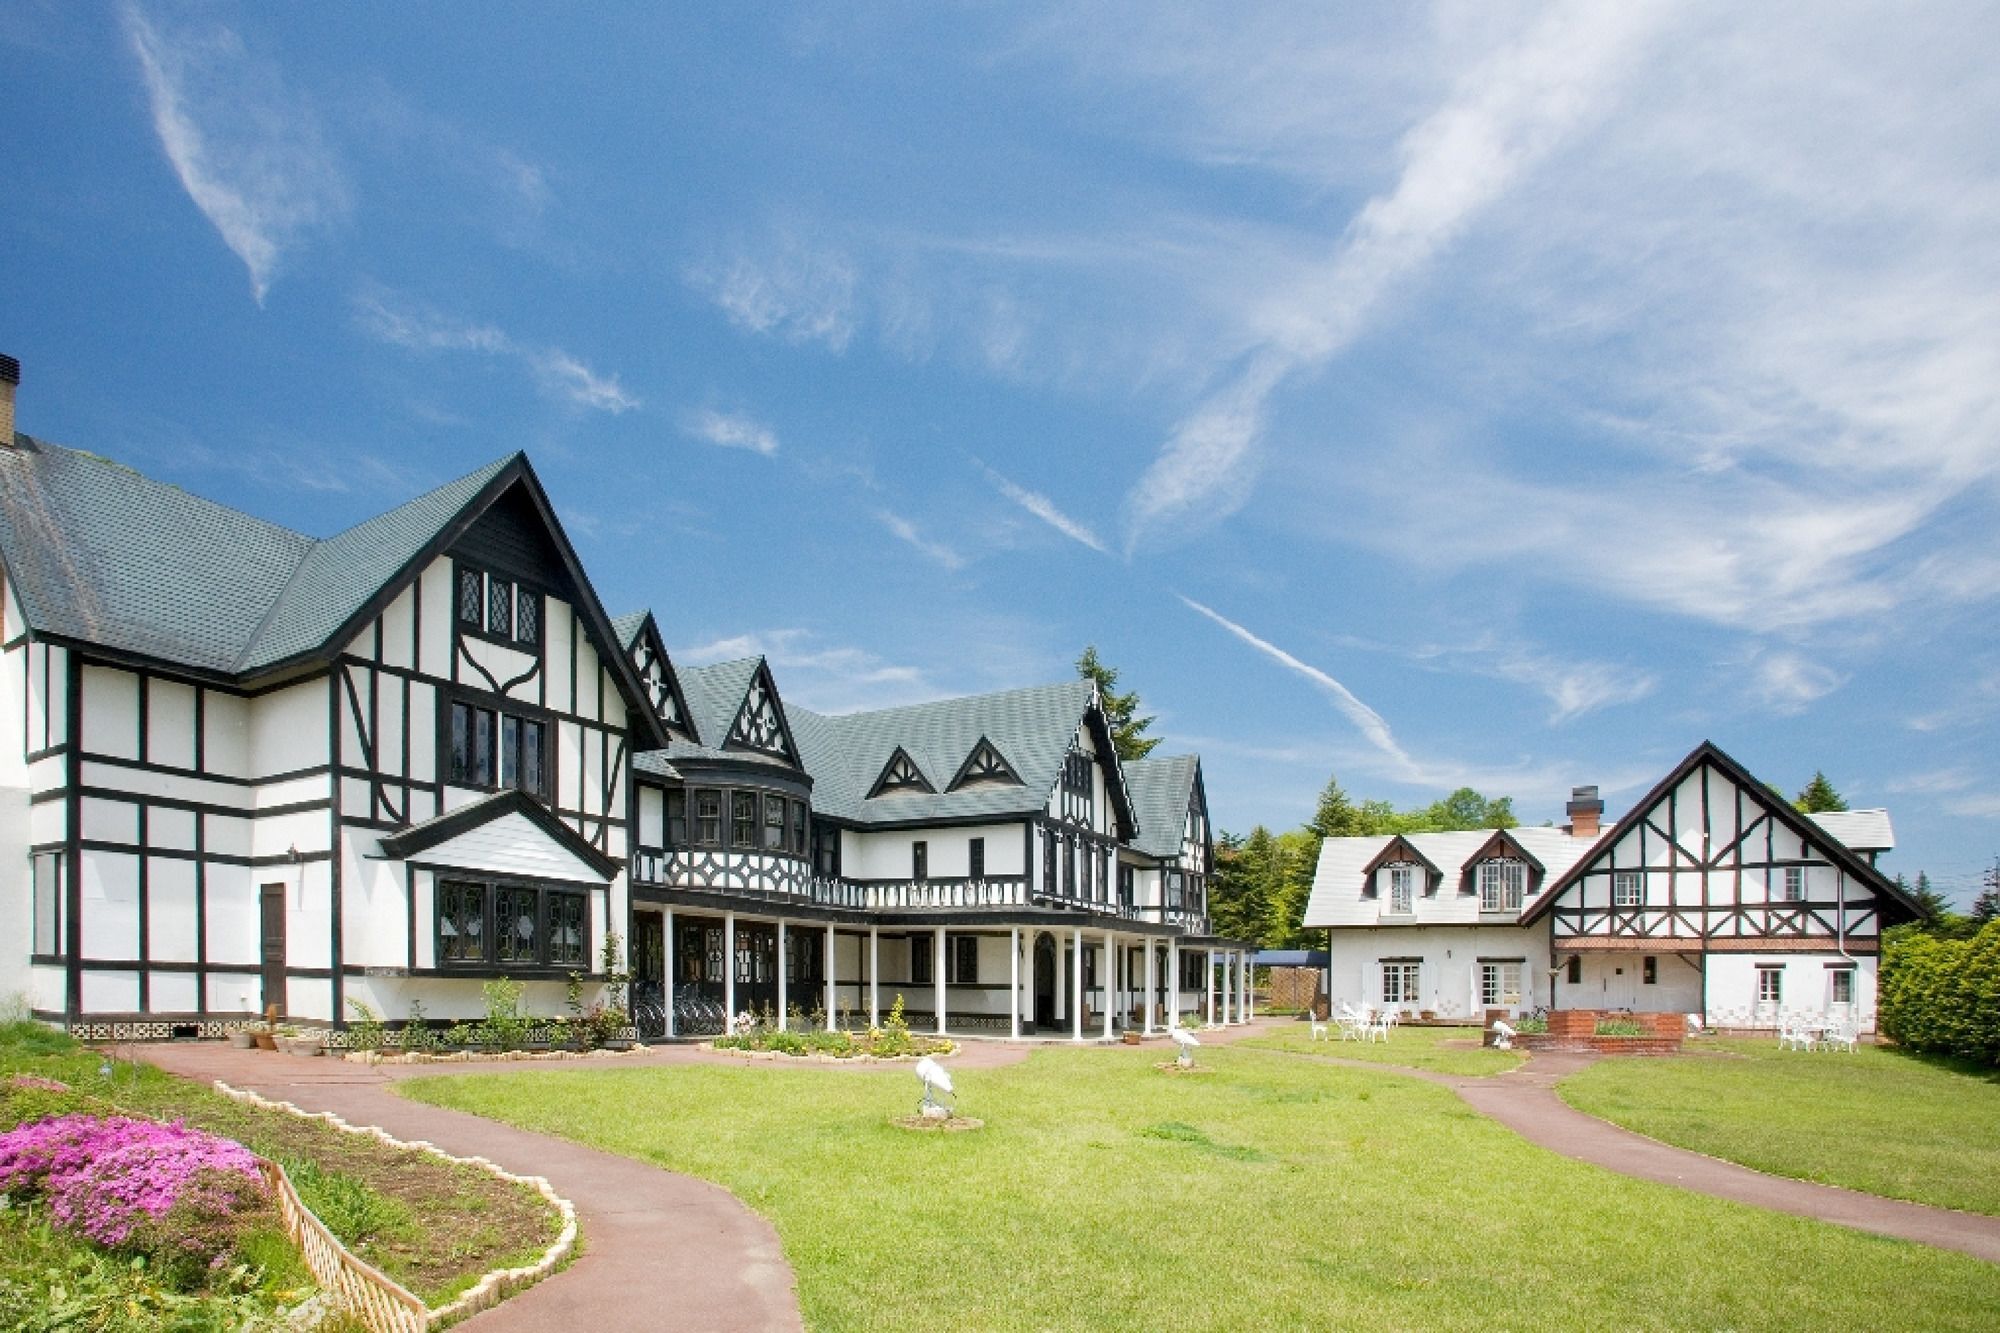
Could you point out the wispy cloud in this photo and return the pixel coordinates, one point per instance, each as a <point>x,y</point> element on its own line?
<point>826,677</point>
<point>731,430</point>
<point>247,151</point>
<point>1788,681</point>
<point>792,289</point>
<point>401,322</point>
<point>1932,783</point>
<point>1045,509</point>
<point>1502,119</point>
<point>1576,688</point>
<point>931,550</point>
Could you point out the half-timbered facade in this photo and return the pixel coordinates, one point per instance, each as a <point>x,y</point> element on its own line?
<point>1713,896</point>
<point>242,767</point>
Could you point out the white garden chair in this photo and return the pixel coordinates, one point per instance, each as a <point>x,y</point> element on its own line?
<point>1839,1037</point>
<point>1353,1024</point>
<point>1379,1025</point>
<point>1318,1030</point>
<point>1795,1036</point>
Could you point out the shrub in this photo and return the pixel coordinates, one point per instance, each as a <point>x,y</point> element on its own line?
<point>366,1032</point>
<point>504,1026</point>
<point>1942,995</point>
<point>1613,1027</point>
<point>416,1034</point>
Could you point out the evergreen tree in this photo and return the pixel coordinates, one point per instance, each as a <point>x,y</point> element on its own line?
<point>1120,710</point>
<point>1932,907</point>
<point>1337,816</point>
<point>1987,905</point>
<point>1819,797</point>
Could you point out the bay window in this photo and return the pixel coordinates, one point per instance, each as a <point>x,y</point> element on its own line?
<point>483,923</point>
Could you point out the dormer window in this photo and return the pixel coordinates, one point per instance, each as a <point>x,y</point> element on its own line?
<point>900,774</point>
<point>1502,885</point>
<point>498,608</point>
<point>985,764</point>
<point>1402,889</point>
<point>758,726</point>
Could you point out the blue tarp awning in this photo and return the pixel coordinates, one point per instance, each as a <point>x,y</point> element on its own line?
<point>1291,958</point>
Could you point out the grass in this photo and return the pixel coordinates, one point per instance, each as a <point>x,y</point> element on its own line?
<point>1441,1050</point>
<point>1880,1120</point>
<point>434,1226</point>
<point>1275,1193</point>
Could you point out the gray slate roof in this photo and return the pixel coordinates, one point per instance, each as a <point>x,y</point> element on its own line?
<point>1861,830</point>
<point>627,627</point>
<point>1161,789</point>
<point>105,555</point>
<point>1032,728</point>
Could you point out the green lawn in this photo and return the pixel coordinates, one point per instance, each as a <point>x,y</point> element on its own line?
<point>1879,1120</point>
<point>1444,1050</point>
<point>1266,1193</point>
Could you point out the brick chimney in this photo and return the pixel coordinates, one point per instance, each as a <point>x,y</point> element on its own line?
<point>1585,812</point>
<point>10,378</point>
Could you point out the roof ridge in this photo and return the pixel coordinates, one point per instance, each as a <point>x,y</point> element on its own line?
<point>946,699</point>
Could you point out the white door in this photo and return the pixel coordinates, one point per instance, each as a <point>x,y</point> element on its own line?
<point>1620,986</point>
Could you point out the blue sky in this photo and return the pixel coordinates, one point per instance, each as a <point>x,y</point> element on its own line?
<point>1505,395</point>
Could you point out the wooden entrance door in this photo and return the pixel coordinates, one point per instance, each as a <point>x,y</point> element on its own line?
<point>273,937</point>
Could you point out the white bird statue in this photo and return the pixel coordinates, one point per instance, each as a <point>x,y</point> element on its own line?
<point>1503,1035</point>
<point>935,1080</point>
<point>1187,1041</point>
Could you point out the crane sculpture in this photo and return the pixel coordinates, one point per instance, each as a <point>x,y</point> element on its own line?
<point>1186,1041</point>
<point>935,1081</point>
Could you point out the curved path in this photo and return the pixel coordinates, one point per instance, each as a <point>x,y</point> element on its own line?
<point>660,1250</point>
<point>1524,1099</point>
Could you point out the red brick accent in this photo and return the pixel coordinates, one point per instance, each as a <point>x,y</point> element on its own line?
<point>1576,1030</point>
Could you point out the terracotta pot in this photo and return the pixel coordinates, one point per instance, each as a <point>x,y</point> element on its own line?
<point>265,1041</point>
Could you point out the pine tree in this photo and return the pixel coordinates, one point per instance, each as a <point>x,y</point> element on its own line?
<point>1819,797</point>
<point>1337,816</point>
<point>1120,710</point>
<point>1987,905</point>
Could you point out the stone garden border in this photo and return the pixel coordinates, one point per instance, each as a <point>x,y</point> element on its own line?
<point>379,1300</point>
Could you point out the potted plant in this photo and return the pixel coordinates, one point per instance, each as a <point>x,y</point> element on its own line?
<point>243,1039</point>
<point>262,1035</point>
<point>293,1042</point>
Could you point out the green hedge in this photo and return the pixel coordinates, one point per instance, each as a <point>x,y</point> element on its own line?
<point>1944,995</point>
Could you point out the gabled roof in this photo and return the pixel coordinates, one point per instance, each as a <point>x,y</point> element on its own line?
<point>1032,727</point>
<point>1398,851</point>
<point>901,773</point>
<point>714,695</point>
<point>984,763</point>
<point>405,843</point>
<point>1162,790</point>
<point>1775,805</point>
<point>1503,845</point>
<point>637,628</point>
<point>106,556</point>
<point>1336,898</point>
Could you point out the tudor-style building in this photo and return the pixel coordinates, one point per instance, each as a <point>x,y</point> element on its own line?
<point>243,767</point>
<point>1713,896</point>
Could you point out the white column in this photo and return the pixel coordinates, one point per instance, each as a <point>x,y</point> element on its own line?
<point>1014,983</point>
<point>874,975</point>
<point>1249,988</point>
<point>1174,984</point>
<point>831,1022</point>
<point>1076,984</point>
<point>937,977</point>
<point>667,968</point>
<point>784,993</point>
<point>1109,976</point>
<point>1208,987</point>
<point>1223,987</point>
<point>1146,1019</point>
<point>729,971</point>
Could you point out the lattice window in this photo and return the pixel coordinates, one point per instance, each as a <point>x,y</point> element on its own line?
<point>500,607</point>
<point>1399,983</point>
<point>461,922</point>
<point>567,937</point>
<point>1502,884</point>
<point>1402,889</point>
<point>516,938</point>
<point>900,774</point>
<point>758,725</point>
<point>528,618</point>
<point>471,597</point>
<point>985,764</point>
<point>1795,884</point>
<point>1628,889</point>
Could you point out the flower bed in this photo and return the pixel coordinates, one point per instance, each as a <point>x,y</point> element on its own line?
<point>874,1044</point>
<point>177,1195</point>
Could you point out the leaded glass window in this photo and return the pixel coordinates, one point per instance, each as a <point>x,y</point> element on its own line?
<point>461,922</point>
<point>528,618</point>
<point>471,597</point>
<point>516,933</point>
<point>567,937</point>
<point>500,608</point>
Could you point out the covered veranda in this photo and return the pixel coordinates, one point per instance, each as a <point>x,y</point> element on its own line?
<point>706,959</point>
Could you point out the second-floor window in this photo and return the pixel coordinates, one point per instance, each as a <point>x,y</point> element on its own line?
<point>1501,885</point>
<point>920,860</point>
<point>499,608</point>
<point>743,819</point>
<point>494,749</point>
<point>774,823</point>
<point>707,817</point>
<point>1795,884</point>
<point>677,819</point>
<point>975,858</point>
<point>1402,889</point>
<point>1627,889</point>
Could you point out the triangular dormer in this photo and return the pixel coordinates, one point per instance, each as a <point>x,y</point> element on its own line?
<point>663,687</point>
<point>1502,846</point>
<point>900,774</point>
<point>985,764</point>
<point>1400,851</point>
<point>760,722</point>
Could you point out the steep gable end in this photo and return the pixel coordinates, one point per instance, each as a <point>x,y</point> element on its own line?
<point>1502,846</point>
<point>900,774</point>
<point>760,723</point>
<point>1400,851</point>
<point>639,634</point>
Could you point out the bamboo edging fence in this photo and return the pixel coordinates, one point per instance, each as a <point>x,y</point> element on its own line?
<point>378,1300</point>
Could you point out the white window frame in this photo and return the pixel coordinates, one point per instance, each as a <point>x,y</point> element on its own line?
<point>45,874</point>
<point>1795,884</point>
<point>1494,989</point>
<point>1402,889</point>
<point>1628,888</point>
<point>1402,983</point>
<point>1841,978</point>
<point>1770,985</point>
<point>1503,884</point>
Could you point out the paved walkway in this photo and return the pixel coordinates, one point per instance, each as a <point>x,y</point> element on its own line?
<point>660,1250</point>
<point>1524,1099</point>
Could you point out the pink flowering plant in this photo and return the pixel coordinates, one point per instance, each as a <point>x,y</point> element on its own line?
<point>163,1190</point>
